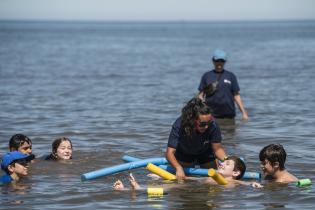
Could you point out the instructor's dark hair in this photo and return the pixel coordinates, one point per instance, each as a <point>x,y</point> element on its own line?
<point>190,113</point>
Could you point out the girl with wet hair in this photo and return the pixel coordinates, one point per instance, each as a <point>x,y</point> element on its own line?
<point>195,139</point>
<point>61,149</point>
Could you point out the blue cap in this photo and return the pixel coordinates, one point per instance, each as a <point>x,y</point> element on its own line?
<point>219,54</point>
<point>10,157</point>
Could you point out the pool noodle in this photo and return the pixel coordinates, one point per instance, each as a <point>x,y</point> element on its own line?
<point>155,191</point>
<point>161,172</point>
<point>303,182</point>
<point>217,177</point>
<point>122,167</point>
<point>193,171</point>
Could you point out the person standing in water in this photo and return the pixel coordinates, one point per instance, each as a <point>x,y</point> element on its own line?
<point>220,90</point>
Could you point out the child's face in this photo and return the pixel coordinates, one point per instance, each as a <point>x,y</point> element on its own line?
<point>25,148</point>
<point>266,167</point>
<point>19,169</point>
<point>64,151</point>
<point>226,168</point>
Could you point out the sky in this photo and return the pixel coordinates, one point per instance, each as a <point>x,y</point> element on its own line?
<point>157,10</point>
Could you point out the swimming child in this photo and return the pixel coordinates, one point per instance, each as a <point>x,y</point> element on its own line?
<point>15,165</point>
<point>272,160</point>
<point>22,143</point>
<point>232,169</point>
<point>61,149</point>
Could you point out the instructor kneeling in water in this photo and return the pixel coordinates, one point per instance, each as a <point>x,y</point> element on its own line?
<point>195,138</point>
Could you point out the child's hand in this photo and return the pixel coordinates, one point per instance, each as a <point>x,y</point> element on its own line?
<point>134,184</point>
<point>118,185</point>
<point>256,185</point>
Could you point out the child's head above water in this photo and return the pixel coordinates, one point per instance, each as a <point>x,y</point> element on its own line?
<point>21,143</point>
<point>15,163</point>
<point>61,149</point>
<point>274,154</point>
<point>232,167</point>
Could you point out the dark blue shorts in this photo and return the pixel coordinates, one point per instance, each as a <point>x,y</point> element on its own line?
<point>202,158</point>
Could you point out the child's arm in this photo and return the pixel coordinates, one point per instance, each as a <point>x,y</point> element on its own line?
<point>253,184</point>
<point>205,180</point>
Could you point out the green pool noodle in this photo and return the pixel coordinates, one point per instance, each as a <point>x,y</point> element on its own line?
<point>304,182</point>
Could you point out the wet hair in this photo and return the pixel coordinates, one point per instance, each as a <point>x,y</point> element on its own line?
<point>239,165</point>
<point>18,140</point>
<point>54,148</point>
<point>274,153</point>
<point>190,113</point>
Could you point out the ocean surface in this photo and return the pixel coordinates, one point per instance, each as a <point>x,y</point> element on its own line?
<point>115,88</point>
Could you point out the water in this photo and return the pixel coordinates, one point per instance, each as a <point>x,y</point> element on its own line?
<point>116,88</point>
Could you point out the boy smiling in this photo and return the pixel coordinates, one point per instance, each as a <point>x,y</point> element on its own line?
<point>15,165</point>
<point>272,159</point>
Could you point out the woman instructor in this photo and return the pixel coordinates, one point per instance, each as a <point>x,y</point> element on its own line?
<point>195,139</point>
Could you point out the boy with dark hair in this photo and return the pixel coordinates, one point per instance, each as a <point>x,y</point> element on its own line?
<point>21,143</point>
<point>272,158</point>
<point>15,165</point>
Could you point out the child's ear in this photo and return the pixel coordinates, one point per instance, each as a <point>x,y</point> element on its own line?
<point>236,174</point>
<point>11,168</point>
<point>276,164</point>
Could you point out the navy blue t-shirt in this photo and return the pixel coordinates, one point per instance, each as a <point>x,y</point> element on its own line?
<point>5,179</point>
<point>222,101</point>
<point>199,143</point>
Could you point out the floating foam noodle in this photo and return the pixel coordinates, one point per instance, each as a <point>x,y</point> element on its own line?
<point>122,167</point>
<point>304,182</point>
<point>161,172</point>
<point>217,177</point>
<point>192,171</point>
<point>155,191</point>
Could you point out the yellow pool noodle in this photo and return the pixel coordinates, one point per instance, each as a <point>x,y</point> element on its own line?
<point>217,177</point>
<point>155,191</point>
<point>161,172</point>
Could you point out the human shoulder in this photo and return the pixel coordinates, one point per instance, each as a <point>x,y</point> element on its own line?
<point>286,178</point>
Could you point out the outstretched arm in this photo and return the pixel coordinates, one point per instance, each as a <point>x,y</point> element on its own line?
<point>253,184</point>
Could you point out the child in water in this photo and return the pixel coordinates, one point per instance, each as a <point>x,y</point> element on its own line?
<point>15,165</point>
<point>272,159</point>
<point>231,169</point>
<point>61,149</point>
<point>21,143</point>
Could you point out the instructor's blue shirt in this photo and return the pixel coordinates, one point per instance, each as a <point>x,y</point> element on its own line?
<point>222,101</point>
<point>198,144</point>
